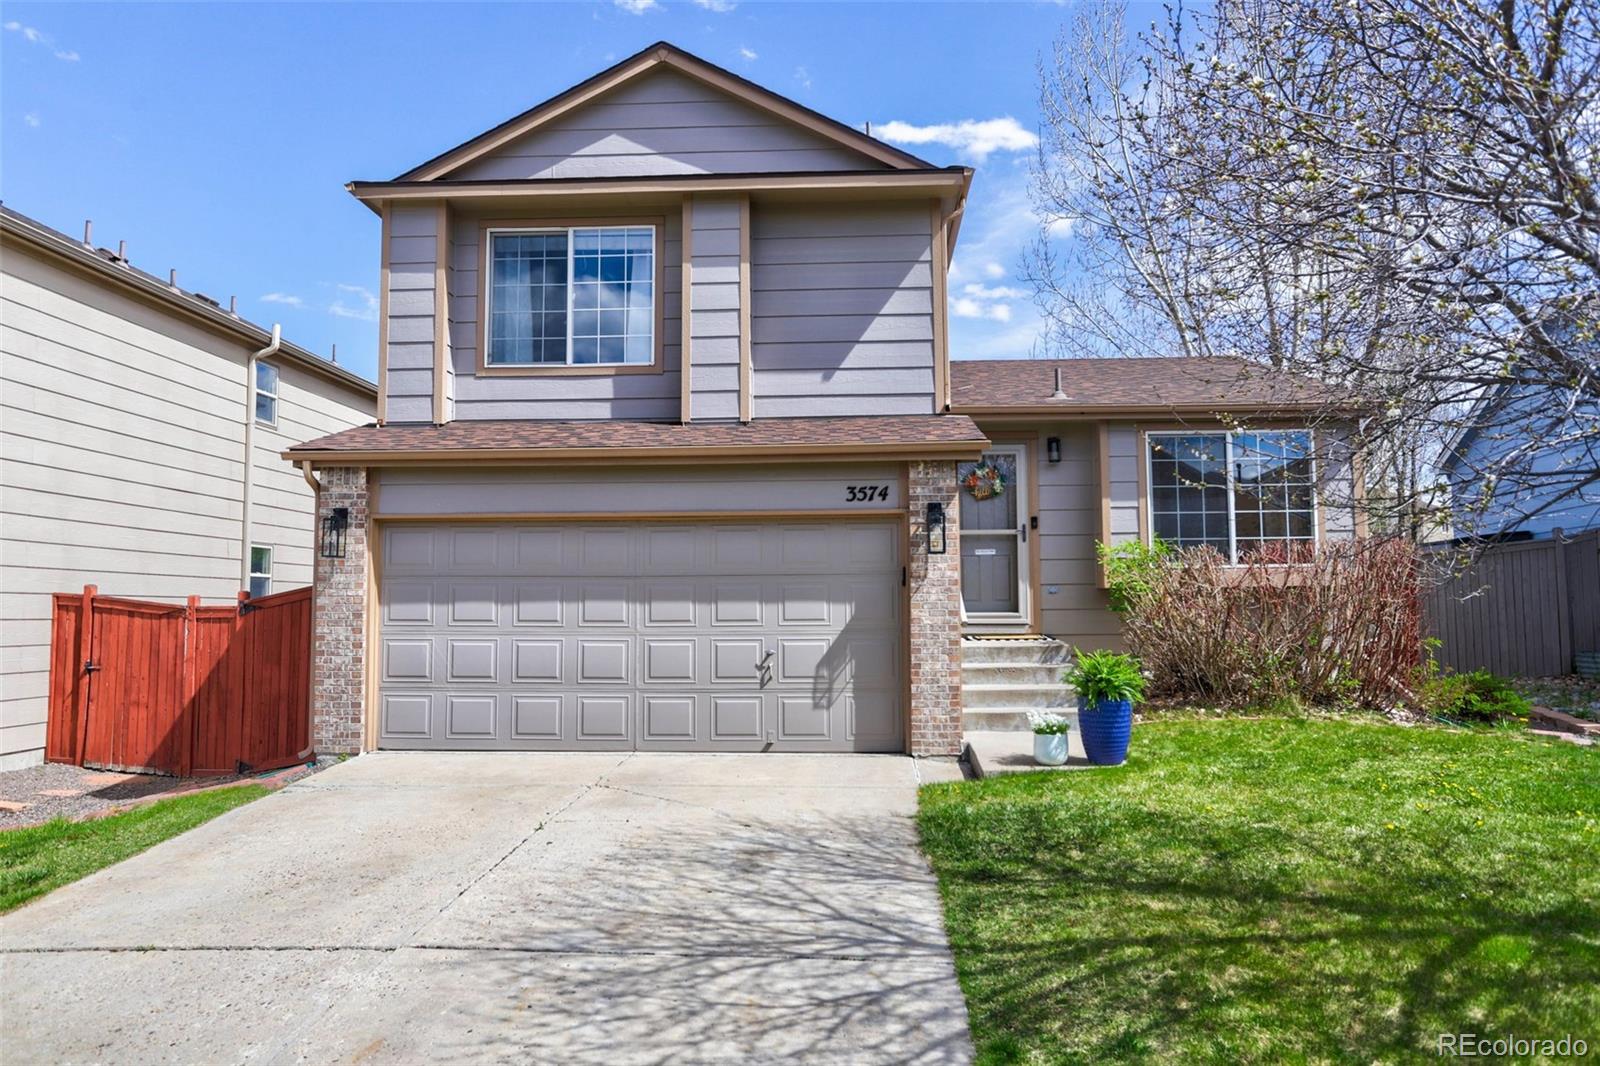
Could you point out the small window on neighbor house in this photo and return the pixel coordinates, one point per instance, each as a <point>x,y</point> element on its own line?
<point>260,571</point>
<point>579,296</point>
<point>1245,494</point>
<point>266,394</point>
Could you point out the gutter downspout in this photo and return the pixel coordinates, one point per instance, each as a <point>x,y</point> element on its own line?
<point>249,451</point>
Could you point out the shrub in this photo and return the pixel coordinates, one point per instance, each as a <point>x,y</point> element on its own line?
<point>1106,676</point>
<point>1478,696</point>
<point>1049,724</point>
<point>1129,568</point>
<point>1341,623</point>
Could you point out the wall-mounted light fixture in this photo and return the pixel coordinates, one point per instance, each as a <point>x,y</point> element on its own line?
<point>333,532</point>
<point>1052,449</point>
<point>935,528</point>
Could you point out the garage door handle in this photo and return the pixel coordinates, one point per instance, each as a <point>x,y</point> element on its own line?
<point>763,662</point>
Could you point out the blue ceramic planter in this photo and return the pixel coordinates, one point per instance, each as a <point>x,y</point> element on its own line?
<point>1106,727</point>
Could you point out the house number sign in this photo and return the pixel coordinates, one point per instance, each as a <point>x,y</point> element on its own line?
<point>866,493</point>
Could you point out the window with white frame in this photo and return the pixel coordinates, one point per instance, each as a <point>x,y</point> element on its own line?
<point>260,571</point>
<point>575,296</point>
<point>266,394</point>
<point>1247,494</point>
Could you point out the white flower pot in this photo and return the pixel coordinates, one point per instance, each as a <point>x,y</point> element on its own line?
<point>1050,749</point>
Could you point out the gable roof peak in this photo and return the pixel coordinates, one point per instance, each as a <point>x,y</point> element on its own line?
<point>648,59</point>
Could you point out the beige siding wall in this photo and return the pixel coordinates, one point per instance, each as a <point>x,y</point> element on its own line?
<point>663,123</point>
<point>413,248</point>
<point>714,314</point>
<point>121,446</point>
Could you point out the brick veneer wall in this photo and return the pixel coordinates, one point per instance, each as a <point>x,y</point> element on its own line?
<point>935,582</point>
<point>338,619</point>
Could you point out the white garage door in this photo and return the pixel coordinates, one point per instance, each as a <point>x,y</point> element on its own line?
<point>682,636</point>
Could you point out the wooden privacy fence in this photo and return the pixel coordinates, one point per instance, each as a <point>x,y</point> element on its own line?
<point>180,689</point>
<point>1526,608</point>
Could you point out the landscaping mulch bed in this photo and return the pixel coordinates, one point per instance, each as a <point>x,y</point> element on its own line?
<point>36,794</point>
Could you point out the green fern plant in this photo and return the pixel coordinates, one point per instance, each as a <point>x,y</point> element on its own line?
<point>1106,676</point>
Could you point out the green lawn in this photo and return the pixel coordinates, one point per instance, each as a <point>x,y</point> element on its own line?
<point>1279,890</point>
<point>40,858</point>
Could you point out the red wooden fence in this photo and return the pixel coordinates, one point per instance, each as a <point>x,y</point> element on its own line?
<point>186,690</point>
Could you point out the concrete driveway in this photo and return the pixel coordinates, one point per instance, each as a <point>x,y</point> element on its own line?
<point>471,907</point>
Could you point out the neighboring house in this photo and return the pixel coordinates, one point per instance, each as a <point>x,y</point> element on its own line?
<point>127,408</point>
<point>1521,466</point>
<point>670,447</point>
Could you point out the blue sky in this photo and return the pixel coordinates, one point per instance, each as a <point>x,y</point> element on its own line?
<point>216,138</point>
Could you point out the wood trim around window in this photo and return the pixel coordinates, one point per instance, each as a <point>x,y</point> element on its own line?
<point>1103,432</point>
<point>386,232</point>
<point>441,313</point>
<point>658,362</point>
<point>685,306</point>
<point>941,310</point>
<point>746,368</point>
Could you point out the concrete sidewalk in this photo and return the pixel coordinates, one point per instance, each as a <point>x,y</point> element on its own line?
<point>483,907</point>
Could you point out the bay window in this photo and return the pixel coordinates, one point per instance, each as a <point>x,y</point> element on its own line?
<point>1246,494</point>
<point>571,296</point>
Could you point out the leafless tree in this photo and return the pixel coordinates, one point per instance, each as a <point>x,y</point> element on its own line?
<point>1398,196</point>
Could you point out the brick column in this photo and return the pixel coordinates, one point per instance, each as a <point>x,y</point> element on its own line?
<point>935,582</point>
<point>338,619</point>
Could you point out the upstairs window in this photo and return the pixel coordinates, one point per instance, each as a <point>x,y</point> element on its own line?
<point>260,571</point>
<point>575,296</point>
<point>1244,494</point>
<point>266,394</point>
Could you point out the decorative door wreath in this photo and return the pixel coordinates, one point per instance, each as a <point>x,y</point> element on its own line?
<point>985,481</point>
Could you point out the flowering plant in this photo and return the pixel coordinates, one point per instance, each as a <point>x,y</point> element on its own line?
<point>984,481</point>
<point>1046,725</point>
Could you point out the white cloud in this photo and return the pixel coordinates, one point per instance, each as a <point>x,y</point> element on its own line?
<point>803,76</point>
<point>998,292</point>
<point>34,35</point>
<point>637,7</point>
<point>748,53</point>
<point>722,7</point>
<point>968,307</point>
<point>994,270</point>
<point>284,298</point>
<point>33,120</point>
<point>355,301</point>
<point>976,137</point>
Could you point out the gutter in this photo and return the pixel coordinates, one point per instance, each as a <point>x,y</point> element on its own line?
<point>656,456</point>
<point>250,450</point>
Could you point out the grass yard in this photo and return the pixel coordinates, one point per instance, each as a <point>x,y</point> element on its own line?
<point>38,859</point>
<point>1262,891</point>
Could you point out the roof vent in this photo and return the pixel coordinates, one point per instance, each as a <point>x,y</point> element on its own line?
<point>1058,394</point>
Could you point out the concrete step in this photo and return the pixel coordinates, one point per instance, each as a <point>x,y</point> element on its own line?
<point>1031,651</point>
<point>1008,719</point>
<point>1010,673</point>
<point>1040,697</point>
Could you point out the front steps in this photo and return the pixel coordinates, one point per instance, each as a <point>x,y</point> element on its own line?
<point>1003,679</point>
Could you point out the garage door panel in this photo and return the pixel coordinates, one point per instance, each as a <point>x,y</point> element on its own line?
<point>408,550</point>
<point>649,637</point>
<point>537,661</point>
<point>603,603</point>
<point>538,603</point>
<point>537,718</point>
<point>407,660</point>
<point>473,603</point>
<point>671,604</point>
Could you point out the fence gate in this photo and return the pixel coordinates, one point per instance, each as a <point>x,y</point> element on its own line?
<point>187,690</point>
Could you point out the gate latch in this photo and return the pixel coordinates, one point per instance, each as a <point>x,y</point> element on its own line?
<point>90,666</point>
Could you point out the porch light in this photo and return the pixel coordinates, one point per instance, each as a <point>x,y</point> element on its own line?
<point>1052,449</point>
<point>333,531</point>
<point>935,528</point>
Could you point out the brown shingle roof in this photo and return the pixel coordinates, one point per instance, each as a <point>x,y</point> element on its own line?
<point>1137,385</point>
<point>933,436</point>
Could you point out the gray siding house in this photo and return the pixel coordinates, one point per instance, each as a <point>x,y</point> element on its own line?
<point>671,453</point>
<point>127,408</point>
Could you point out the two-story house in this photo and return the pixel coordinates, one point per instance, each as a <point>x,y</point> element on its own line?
<point>671,453</point>
<point>141,427</point>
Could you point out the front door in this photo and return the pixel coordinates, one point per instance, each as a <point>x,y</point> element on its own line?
<point>994,536</point>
